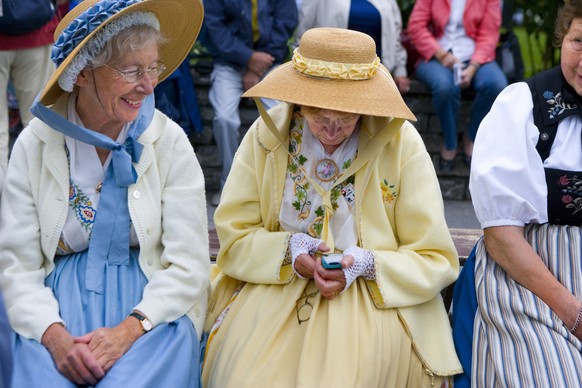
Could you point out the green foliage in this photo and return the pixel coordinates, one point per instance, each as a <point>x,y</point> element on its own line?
<point>405,9</point>
<point>198,52</point>
<point>535,31</point>
<point>536,34</point>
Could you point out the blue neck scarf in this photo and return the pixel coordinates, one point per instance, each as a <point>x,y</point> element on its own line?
<point>109,244</point>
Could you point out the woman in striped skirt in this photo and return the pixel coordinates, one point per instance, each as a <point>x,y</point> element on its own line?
<point>526,186</point>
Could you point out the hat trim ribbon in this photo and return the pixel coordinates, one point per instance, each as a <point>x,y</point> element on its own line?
<point>334,70</point>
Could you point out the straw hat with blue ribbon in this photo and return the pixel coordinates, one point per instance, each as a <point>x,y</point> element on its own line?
<point>179,22</point>
<point>335,69</point>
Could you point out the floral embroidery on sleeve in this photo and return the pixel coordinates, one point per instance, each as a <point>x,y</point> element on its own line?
<point>388,192</point>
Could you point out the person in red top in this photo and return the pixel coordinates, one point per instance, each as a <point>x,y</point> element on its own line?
<point>460,34</point>
<point>26,61</point>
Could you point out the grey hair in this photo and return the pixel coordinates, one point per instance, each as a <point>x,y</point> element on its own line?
<point>131,39</point>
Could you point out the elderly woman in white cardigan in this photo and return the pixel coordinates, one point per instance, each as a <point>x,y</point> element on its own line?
<point>103,237</point>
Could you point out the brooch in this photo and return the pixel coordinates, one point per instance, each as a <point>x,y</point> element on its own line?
<point>326,170</point>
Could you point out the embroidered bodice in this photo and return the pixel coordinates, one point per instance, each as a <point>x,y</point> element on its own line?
<point>302,209</point>
<point>508,179</point>
<point>86,175</point>
<point>555,100</point>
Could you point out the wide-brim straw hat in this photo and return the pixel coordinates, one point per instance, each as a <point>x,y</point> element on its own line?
<point>335,69</point>
<point>180,22</point>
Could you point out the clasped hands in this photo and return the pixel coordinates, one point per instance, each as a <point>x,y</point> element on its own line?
<point>259,63</point>
<point>307,265</point>
<point>448,60</point>
<point>86,359</point>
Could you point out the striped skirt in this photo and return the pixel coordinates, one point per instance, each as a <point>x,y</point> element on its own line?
<point>518,340</point>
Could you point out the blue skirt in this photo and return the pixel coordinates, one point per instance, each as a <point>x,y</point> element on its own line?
<point>167,356</point>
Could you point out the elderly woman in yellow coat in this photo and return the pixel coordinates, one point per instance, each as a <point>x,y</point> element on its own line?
<point>334,169</point>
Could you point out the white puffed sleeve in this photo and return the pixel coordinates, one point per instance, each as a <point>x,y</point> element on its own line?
<point>507,181</point>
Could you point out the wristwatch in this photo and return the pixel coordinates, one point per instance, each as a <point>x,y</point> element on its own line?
<point>146,324</point>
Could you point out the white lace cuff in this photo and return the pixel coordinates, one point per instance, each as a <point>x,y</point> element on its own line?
<point>363,265</point>
<point>301,243</point>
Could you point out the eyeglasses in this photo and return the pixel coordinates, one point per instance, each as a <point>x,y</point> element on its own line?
<point>134,75</point>
<point>329,117</point>
<point>304,309</point>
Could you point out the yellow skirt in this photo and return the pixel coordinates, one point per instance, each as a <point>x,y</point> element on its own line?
<point>345,342</point>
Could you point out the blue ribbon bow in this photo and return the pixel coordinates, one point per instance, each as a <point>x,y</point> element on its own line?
<point>109,243</point>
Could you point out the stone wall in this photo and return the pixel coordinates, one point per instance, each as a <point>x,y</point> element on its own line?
<point>454,185</point>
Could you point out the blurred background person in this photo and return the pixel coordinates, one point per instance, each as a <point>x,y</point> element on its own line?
<point>246,39</point>
<point>381,19</point>
<point>456,40</point>
<point>25,61</point>
<point>176,98</point>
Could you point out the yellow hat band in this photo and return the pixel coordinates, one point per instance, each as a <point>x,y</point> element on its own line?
<point>334,70</point>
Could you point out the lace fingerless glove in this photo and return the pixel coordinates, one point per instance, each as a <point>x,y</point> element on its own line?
<point>363,265</point>
<point>301,243</point>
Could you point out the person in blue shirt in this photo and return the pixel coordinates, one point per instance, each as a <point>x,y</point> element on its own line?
<point>246,39</point>
<point>176,97</point>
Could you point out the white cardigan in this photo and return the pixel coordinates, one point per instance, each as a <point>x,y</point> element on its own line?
<point>167,207</point>
<point>335,13</point>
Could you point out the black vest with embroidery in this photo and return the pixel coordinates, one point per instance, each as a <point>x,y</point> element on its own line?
<point>554,100</point>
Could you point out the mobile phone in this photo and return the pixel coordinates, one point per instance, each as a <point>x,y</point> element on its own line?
<point>457,72</point>
<point>332,260</point>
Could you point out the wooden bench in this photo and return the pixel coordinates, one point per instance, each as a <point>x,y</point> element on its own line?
<point>464,240</point>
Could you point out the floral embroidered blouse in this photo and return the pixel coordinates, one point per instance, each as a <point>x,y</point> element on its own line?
<point>302,209</point>
<point>86,174</point>
<point>508,182</point>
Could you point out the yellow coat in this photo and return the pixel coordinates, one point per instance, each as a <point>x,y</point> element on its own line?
<point>415,257</point>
